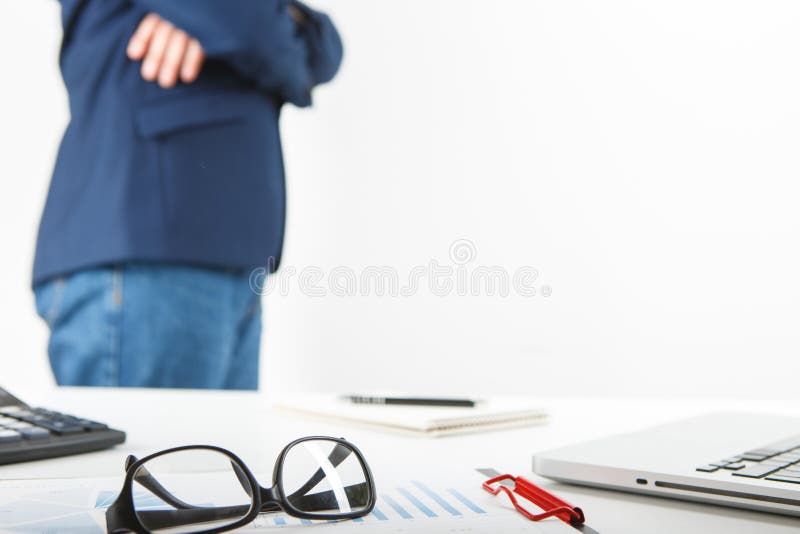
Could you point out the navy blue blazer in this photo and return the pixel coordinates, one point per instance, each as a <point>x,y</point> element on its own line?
<point>192,174</point>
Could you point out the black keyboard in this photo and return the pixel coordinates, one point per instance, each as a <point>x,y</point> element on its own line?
<point>28,433</point>
<point>779,462</point>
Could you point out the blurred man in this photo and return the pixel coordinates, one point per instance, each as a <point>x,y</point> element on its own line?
<point>168,188</point>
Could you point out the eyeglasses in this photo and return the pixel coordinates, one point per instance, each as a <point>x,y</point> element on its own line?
<point>314,478</point>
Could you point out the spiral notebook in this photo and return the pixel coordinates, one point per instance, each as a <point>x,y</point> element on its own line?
<point>421,420</point>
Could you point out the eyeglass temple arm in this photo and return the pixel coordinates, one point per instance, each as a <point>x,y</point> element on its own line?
<point>317,502</point>
<point>149,482</point>
<point>163,519</point>
<point>326,500</point>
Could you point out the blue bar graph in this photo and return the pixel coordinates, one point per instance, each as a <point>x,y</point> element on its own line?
<point>396,507</point>
<point>416,502</point>
<point>435,496</point>
<point>466,502</point>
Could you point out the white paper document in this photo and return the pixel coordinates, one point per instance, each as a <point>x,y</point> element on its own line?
<point>424,504</point>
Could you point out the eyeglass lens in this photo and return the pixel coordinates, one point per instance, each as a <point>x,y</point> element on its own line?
<point>167,498</point>
<point>324,477</point>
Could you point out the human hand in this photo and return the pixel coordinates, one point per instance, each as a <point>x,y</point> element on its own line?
<point>166,52</point>
<point>297,16</point>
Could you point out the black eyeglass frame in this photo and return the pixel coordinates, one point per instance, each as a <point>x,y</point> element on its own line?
<point>121,515</point>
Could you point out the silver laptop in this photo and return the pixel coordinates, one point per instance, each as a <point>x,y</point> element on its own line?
<point>735,459</point>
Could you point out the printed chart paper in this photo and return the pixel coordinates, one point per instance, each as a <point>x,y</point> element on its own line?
<point>425,504</point>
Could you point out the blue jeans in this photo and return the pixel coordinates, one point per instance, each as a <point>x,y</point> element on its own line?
<point>153,325</point>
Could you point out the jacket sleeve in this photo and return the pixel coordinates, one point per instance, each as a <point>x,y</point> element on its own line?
<point>261,41</point>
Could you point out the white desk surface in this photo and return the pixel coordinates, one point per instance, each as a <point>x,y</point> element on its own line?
<point>244,423</point>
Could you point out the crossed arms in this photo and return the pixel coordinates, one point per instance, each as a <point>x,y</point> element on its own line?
<point>282,46</point>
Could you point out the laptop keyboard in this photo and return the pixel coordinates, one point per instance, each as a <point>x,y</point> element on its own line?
<point>779,462</point>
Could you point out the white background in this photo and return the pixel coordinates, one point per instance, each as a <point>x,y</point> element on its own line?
<point>641,155</point>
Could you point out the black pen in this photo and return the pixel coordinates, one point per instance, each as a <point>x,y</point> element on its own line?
<point>411,401</point>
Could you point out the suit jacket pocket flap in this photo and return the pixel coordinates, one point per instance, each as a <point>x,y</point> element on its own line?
<point>186,111</point>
